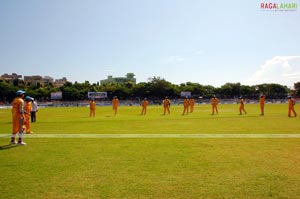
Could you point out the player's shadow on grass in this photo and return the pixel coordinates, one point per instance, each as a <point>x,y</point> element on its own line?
<point>8,146</point>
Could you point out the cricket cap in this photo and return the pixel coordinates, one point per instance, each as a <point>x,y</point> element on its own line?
<point>28,98</point>
<point>20,92</point>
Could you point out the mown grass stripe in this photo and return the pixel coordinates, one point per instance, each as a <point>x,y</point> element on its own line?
<point>157,136</point>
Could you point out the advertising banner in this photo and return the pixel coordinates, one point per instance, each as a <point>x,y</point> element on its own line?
<point>97,95</point>
<point>56,95</point>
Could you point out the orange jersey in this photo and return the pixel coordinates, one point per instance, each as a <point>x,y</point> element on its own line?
<point>186,102</point>
<point>192,102</point>
<point>291,103</point>
<point>115,102</point>
<point>166,102</point>
<point>144,103</point>
<point>17,106</point>
<point>27,107</point>
<point>262,100</point>
<point>17,114</point>
<point>242,102</point>
<point>214,101</point>
<point>92,105</point>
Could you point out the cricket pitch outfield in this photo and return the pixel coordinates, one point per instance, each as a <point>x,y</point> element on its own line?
<point>199,155</point>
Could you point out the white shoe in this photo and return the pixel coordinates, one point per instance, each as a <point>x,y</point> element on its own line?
<point>13,142</point>
<point>21,143</point>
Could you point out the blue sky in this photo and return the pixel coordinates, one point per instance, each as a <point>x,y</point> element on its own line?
<point>209,42</point>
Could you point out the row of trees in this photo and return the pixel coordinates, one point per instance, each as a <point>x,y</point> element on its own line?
<point>155,88</point>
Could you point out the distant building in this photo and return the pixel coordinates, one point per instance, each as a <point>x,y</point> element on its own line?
<point>48,80</point>
<point>34,80</point>
<point>128,78</point>
<point>11,78</point>
<point>60,82</point>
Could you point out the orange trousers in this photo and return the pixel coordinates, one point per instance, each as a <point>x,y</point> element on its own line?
<point>144,110</point>
<point>115,108</point>
<point>291,109</point>
<point>166,109</point>
<point>214,109</point>
<point>92,113</point>
<point>17,123</point>
<point>27,123</point>
<point>242,109</point>
<point>262,109</point>
<point>185,110</point>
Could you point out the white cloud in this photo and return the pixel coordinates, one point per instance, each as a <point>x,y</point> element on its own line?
<point>174,58</point>
<point>283,70</point>
<point>189,55</point>
<point>108,70</point>
<point>198,52</point>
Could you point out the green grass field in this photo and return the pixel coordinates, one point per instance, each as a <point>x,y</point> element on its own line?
<point>153,167</point>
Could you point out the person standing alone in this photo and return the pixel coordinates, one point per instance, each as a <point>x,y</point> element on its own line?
<point>214,102</point>
<point>262,104</point>
<point>292,103</point>
<point>92,108</point>
<point>242,106</point>
<point>166,104</point>
<point>115,104</point>
<point>144,105</point>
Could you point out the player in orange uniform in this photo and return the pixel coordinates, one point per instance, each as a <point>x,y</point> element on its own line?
<point>92,108</point>
<point>166,104</point>
<point>18,118</point>
<point>144,105</point>
<point>186,103</point>
<point>242,108</point>
<point>192,104</point>
<point>214,102</point>
<point>115,104</point>
<point>262,104</point>
<point>292,103</point>
<point>27,108</point>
